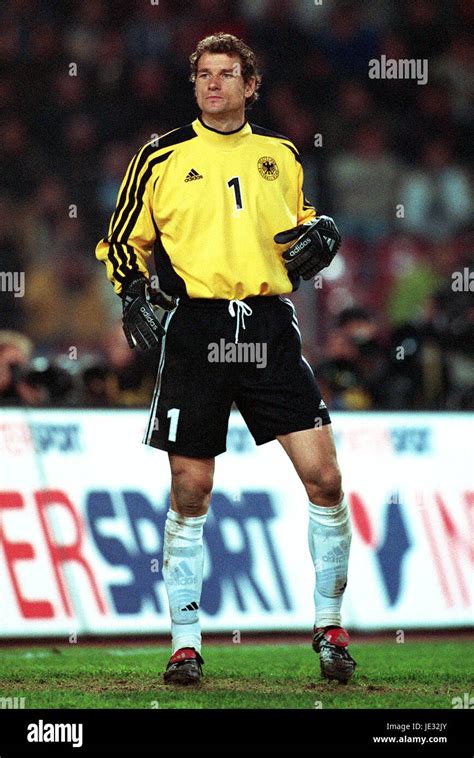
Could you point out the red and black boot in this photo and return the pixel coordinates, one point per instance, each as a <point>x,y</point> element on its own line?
<point>184,667</point>
<point>331,643</point>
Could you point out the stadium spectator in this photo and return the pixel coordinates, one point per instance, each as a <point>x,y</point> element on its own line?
<point>121,377</point>
<point>363,186</point>
<point>15,353</point>
<point>437,196</point>
<point>356,368</point>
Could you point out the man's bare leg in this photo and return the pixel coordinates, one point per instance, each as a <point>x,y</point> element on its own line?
<point>191,486</point>
<point>313,455</point>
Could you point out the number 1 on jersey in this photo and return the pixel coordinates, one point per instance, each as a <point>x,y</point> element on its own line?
<point>234,184</point>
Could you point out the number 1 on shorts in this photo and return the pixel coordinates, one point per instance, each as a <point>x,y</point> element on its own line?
<point>173,414</point>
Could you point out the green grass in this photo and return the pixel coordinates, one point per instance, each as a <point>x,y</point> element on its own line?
<point>389,675</point>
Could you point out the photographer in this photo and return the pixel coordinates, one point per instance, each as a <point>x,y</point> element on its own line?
<point>29,382</point>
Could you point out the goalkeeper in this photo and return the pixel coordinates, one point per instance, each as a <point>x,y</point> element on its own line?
<point>220,204</point>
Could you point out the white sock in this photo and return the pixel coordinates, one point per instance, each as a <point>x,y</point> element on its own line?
<point>182,572</point>
<point>329,537</point>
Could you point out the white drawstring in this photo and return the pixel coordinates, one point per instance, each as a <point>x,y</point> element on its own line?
<point>243,309</point>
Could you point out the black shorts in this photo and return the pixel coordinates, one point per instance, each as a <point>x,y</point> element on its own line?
<point>203,370</point>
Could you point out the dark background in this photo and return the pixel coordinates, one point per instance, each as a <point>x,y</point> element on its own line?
<point>85,84</point>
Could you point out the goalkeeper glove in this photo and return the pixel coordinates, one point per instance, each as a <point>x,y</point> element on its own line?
<point>143,313</point>
<point>318,242</point>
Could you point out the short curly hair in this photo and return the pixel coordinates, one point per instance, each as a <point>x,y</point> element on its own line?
<point>220,42</point>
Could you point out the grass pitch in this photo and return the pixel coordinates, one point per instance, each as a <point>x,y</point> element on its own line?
<point>389,675</point>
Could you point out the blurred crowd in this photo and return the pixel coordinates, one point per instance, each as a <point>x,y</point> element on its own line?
<point>86,83</point>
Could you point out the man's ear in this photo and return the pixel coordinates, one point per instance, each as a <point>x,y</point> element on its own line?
<point>250,86</point>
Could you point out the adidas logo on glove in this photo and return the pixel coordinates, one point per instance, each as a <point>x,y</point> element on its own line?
<point>299,247</point>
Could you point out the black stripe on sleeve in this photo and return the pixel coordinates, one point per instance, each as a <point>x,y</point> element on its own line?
<point>120,230</point>
<point>141,191</point>
<point>183,134</point>
<point>144,156</point>
<point>262,132</point>
<point>293,150</point>
<point>118,238</point>
<point>175,137</point>
<point>123,194</point>
<point>118,255</point>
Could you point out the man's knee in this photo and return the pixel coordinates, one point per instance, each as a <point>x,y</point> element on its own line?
<point>191,491</point>
<point>325,484</point>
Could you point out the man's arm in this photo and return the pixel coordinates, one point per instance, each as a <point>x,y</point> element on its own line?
<point>131,232</point>
<point>124,251</point>
<point>306,210</point>
<point>318,241</point>
<point>317,238</point>
<point>143,314</point>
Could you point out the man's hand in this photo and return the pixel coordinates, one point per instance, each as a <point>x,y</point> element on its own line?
<point>318,243</point>
<point>143,313</point>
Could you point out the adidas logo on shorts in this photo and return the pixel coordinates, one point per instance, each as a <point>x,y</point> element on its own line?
<point>193,174</point>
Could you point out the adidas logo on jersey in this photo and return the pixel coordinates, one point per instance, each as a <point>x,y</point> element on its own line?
<point>193,174</point>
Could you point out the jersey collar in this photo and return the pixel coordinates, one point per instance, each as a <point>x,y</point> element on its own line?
<point>226,140</point>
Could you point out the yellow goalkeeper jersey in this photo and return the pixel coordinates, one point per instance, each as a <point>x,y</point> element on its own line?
<point>207,205</point>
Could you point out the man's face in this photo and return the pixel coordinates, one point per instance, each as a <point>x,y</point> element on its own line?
<point>220,88</point>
